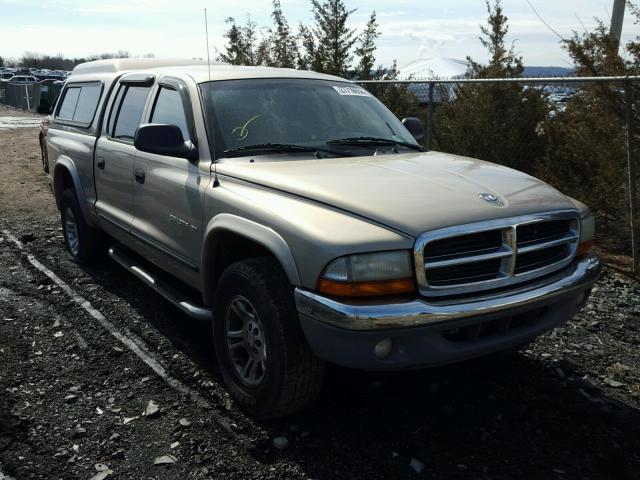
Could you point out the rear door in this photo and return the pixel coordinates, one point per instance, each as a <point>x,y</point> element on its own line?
<point>169,191</point>
<point>115,153</point>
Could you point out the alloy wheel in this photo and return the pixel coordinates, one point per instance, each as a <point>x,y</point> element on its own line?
<point>71,232</point>
<point>245,340</point>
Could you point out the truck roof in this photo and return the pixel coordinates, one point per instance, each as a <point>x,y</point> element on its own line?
<point>197,69</point>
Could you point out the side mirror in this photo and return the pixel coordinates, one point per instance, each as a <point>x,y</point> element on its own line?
<point>164,140</point>
<point>414,126</point>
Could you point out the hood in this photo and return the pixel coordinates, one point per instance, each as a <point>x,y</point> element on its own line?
<point>411,193</point>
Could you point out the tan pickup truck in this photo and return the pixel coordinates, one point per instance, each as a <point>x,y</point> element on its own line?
<point>300,217</point>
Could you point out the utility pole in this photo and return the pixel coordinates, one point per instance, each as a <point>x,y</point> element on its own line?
<point>617,18</point>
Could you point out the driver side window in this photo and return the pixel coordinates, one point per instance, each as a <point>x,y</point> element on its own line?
<point>168,109</point>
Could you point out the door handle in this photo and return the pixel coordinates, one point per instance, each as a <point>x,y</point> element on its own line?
<point>101,163</point>
<point>139,174</point>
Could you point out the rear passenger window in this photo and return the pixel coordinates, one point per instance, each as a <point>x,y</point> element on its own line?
<point>129,114</point>
<point>169,109</point>
<point>79,104</point>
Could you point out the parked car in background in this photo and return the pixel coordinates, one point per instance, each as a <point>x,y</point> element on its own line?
<point>6,76</point>
<point>26,79</point>
<point>295,213</point>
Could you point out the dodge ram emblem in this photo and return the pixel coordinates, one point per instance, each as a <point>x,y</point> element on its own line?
<point>489,198</point>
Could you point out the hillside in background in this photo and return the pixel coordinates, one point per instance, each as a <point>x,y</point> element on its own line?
<point>548,72</point>
<point>445,67</point>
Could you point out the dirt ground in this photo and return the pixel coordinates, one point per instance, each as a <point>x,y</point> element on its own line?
<point>84,351</point>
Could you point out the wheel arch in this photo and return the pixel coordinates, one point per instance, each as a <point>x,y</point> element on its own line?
<point>249,239</point>
<point>65,175</point>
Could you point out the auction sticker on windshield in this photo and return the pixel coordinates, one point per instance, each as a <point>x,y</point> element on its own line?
<point>354,91</point>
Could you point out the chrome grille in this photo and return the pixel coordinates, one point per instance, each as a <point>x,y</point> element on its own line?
<point>486,255</point>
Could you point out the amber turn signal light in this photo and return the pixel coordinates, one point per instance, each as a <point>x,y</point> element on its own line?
<point>584,248</point>
<point>366,289</point>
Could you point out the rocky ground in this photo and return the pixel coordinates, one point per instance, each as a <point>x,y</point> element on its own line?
<point>101,378</point>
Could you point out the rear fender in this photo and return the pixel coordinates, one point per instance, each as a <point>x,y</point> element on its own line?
<point>63,170</point>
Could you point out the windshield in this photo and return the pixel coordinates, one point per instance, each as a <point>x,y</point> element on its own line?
<point>300,112</point>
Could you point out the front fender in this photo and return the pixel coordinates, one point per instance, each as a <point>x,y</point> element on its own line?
<point>265,236</point>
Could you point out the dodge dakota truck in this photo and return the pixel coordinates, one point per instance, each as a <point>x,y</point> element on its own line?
<point>299,216</point>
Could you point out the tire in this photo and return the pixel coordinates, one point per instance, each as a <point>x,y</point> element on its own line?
<point>254,308</point>
<point>44,156</point>
<point>81,241</point>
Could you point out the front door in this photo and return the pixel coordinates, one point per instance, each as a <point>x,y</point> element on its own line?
<point>169,191</point>
<point>115,155</point>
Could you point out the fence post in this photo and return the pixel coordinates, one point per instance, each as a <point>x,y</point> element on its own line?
<point>430,119</point>
<point>631,161</point>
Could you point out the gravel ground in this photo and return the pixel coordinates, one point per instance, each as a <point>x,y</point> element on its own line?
<point>73,396</point>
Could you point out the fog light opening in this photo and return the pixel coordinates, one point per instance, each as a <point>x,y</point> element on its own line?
<point>383,348</point>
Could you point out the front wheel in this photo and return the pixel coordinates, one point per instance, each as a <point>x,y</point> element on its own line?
<point>264,358</point>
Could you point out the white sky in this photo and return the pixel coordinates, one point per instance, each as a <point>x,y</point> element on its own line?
<point>175,28</point>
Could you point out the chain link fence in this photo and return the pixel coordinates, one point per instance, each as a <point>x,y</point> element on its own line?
<point>579,134</point>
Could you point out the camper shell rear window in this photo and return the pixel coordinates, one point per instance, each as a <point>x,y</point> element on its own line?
<point>78,104</point>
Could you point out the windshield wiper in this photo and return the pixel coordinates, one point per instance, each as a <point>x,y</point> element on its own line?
<point>286,147</point>
<point>368,141</point>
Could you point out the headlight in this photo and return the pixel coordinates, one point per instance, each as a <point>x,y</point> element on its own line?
<point>587,233</point>
<point>368,274</point>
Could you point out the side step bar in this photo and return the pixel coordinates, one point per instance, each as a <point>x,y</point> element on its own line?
<point>169,293</point>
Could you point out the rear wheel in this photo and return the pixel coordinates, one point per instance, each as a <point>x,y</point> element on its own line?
<point>81,241</point>
<point>264,358</point>
<point>44,156</point>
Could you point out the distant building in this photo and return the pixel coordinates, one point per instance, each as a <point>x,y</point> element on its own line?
<point>433,68</point>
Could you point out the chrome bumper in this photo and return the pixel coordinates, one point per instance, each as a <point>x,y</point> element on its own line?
<point>578,277</point>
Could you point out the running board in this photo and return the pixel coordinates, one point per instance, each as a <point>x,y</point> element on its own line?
<point>172,295</point>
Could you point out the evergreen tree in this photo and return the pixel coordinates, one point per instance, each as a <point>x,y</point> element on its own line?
<point>308,58</point>
<point>264,55</point>
<point>241,43</point>
<point>367,48</point>
<point>249,38</point>
<point>284,46</point>
<point>234,50</point>
<point>586,155</point>
<point>503,62</point>
<point>495,122</point>
<point>330,50</point>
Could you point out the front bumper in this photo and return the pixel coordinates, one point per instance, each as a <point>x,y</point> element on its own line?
<point>420,332</point>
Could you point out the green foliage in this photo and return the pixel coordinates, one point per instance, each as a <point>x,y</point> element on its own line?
<point>241,43</point>
<point>494,122</point>
<point>395,96</point>
<point>284,44</point>
<point>367,48</point>
<point>328,43</point>
<point>586,159</point>
<point>587,150</point>
<point>503,62</point>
